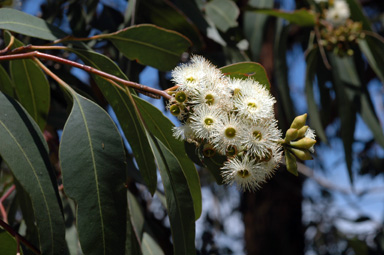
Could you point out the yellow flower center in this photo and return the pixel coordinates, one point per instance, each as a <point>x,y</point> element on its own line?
<point>244,173</point>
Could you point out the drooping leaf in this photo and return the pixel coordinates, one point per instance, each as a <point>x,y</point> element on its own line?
<point>245,70</point>
<point>346,110</point>
<point>305,18</point>
<point>373,51</point>
<point>161,127</point>
<point>8,244</point>
<point>92,160</point>
<point>150,247</point>
<point>165,14</point>
<point>313,110</point>
<point>26,153</point>
<point>6,84</point>
<point>193,12</point>
<point>22,23</point>
<point>135,224</point>
<point>150,45</point>
<point>223,13</point>
<point>254,26</point>
<point>358,15</point>
<point>286,112</point>
<point>31,87</point>
<point>126,114</point>
<point>179,200</point>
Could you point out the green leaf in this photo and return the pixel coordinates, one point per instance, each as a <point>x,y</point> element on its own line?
<point>135,224</point>
<point>31,87</point>
<point>313,110</point>
<point>26,153</point>
<point>92,160</point>
<point>179,200</point>
<point>346,110</point>
<point>286,112</point>
<point>6,84</point>
<point>161,127</point>
<point>214,165</point>
<point>126,114</point>
<point>223,13</point>
<point>22,23</point>
<point>305,18</point>
<point>165,14</point>
<point>150,45</point>
<point>150,247</point>
<point>373,51</point>
<point>254,26</point>
<point>8,244</point>
<point>358,15</point>
<point>245,70</point>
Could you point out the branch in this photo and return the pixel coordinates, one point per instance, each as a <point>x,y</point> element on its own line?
<point>89,69</point>
<point>5,196</point>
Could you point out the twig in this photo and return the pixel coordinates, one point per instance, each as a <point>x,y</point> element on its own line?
<point>5,196</point>
<point>8,46</point>
<point>322,52</point>
<point>18,237</point>
<point>89,69</point>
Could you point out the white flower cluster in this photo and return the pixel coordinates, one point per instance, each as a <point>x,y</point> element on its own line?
<point>231,117</point>
<point>338,13</point>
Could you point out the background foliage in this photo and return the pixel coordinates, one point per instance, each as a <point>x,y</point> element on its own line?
<point>115,212</point>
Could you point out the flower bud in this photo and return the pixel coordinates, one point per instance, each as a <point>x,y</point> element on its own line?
<point>303,143</point>
<point>208,151</point>
<point>290,162</point>
<point>181,97</point>
<point>301,154</point>
<point>291,134</point>
<point>175,110</point>
<point>299,121</point>
<point>301,132</point>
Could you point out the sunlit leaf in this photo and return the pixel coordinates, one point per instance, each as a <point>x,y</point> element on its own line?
<point>150,45</point>
<point>22,23</point>
<point>245,70</point>
<point>305,18</point>
<point>223,13</point>
<point>179,200</point>
<point>126,114</point>
<point>92,161</point>
<point>161,127</point>
<point>150,247</point>
<point>25,151</point>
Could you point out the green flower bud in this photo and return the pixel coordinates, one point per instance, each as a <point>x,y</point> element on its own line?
<point>299,121</point>
<point>301,131</point>
<point>181,97</point>
<point>175,110</point>
<point>290,162</point>
<point>303,143</point>
<point>208,151</point>
<point>301,154</point>
<point>291,134</point>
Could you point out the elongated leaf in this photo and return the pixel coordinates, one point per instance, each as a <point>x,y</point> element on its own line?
<point>135,224</point>
<point>305,18</point>
<point>286,112</point>
<point>347,111</point>
<point>150,45</point>
<point>6,84</point>
<point>254,26</point>
<point>31,86</point>
<point>179,200</point>
<point>358,15</point>
<point>223,13</point>
<point>246,70</point>
<point>313,110</point>
<point>373,51</point>
<point>22,23</point>
<point>26,153</point>
<point>126,114</point>
<point>165,14</point>
<point>150,247</point>
<point>8,244</point>
<point>193,12</point>
<point>161,128</point>
<point>92,161</point>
